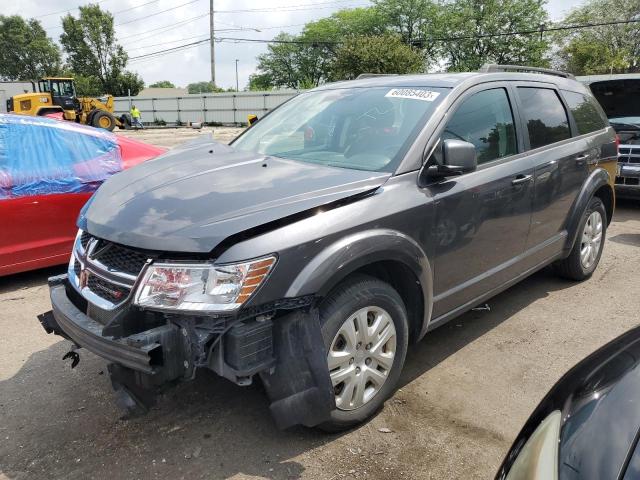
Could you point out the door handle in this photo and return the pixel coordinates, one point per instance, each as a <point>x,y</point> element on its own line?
<point>582,158</point>
<point>520,179</point>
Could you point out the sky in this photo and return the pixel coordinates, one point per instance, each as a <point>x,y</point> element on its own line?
<point>146,26</point>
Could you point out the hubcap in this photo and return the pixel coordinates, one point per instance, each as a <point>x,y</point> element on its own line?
<point>361,356</point>
<point>104,122</point>
<point>591,240</point>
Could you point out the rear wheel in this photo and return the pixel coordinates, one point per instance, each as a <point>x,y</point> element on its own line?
<point>365,330</point>
<point>102,119</point>
<point>586,252</point>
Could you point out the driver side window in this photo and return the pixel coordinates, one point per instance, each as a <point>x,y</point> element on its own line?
<point>485,119</point>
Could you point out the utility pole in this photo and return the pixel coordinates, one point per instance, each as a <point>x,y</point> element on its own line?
<point>213,44</point>
<point>237,89</point>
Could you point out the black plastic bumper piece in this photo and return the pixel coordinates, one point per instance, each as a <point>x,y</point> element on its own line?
<point>142,352</point>
<point>299,388</point>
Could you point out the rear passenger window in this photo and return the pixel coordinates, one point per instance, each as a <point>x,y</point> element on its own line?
<point>585,112</point>
<point>545,115</point>
<point>485,119</point>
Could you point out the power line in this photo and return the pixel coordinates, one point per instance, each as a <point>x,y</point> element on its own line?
<point>440,39</point>
<point>164,28</point>
<point>291,8</point>
<point>68,10</point>
<point>156,13</point>
<point>133,8</point>
<point>235,28</point>
<point>169,50</point>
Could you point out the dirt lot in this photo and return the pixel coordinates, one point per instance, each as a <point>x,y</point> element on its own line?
<point>466,390</point>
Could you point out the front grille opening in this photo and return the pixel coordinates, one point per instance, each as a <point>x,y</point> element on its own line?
<point>109,291</point>
<point>84,239</point>
<point>121,259</point>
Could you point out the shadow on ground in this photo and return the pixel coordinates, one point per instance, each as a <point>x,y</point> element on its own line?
<point>57,422</point>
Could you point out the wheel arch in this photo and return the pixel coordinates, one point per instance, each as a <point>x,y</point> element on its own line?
<point>597,184</point>
<point>388,255</point>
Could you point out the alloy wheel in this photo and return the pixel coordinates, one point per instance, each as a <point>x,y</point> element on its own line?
<point>591,240</point>
<point>361,357</point>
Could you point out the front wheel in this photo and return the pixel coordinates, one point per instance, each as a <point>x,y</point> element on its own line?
<point>365,330</point>
<point>102,119</point>
<point>587,250</point>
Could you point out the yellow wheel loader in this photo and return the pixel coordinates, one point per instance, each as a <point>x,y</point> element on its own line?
<point>57,95</point>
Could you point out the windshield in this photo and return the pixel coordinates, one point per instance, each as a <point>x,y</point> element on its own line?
<point>635,121</point>
<point>358,128</point>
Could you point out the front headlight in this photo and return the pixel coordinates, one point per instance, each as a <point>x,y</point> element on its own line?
<point>201,287</point>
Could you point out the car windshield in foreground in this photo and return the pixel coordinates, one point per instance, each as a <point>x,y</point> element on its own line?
<point>358,128</point>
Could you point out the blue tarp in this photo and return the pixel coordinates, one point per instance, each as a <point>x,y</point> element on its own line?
<point>40,156</point>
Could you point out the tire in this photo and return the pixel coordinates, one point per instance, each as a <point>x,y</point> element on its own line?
<point>574,267</point>
<point>102,119</point>
<point>381,307</point>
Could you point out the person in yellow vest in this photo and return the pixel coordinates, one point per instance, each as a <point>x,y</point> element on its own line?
<point>135,115</point>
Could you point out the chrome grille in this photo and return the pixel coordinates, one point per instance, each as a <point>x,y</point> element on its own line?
<point>104,272</point>
<point>628,156</point>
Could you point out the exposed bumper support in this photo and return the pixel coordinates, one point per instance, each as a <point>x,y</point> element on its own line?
<point>142,352</point>
<point>287,353</point>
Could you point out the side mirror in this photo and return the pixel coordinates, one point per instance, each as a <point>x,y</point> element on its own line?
<point>458,157</point>
<point>251,119</point>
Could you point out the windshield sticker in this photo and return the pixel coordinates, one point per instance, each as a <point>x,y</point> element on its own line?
<point>413,93</point>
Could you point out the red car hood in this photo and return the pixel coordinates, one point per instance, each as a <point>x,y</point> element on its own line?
<point>134,152</point>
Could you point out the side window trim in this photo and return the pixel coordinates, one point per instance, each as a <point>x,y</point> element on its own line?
<point>523,120</point>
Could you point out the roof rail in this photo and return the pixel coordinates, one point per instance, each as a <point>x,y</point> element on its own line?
<point>371,75</point>
<point>492,67</point>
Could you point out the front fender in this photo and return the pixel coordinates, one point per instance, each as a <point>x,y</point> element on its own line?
<point>355,251</point>
<point>598,178</point>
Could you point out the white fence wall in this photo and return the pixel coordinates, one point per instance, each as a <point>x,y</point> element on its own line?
<point>226,108</point>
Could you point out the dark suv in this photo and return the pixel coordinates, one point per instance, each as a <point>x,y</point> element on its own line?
<point>336,230</point>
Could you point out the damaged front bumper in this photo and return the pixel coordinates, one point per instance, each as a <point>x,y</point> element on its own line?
<point>285,348</point>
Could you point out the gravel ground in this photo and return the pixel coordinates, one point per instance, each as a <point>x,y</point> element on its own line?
<point>170,137</point>
<point>466,389</point>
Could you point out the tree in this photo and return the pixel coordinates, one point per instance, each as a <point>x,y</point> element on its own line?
<point>162,84</point>
<point>92,50</point>
<point>381,54</point>
<point>204,87</point>
<point>87,86</point>
<point>26,53</point>
<point>473,28</point>
<point>127,83</point>
<point>411,19</point>
<point>295,62</point>
<point>260,82</point>
<point>601,49</point>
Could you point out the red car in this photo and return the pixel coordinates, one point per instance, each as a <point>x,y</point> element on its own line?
<point>48,170</point>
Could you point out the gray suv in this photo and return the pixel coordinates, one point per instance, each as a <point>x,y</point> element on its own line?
<point>338,229</point>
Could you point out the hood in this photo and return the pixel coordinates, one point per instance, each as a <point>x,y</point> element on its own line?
<point>192,198</point>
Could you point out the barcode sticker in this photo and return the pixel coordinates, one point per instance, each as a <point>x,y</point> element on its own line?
<point>413,93</point>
